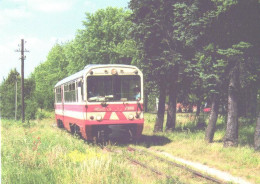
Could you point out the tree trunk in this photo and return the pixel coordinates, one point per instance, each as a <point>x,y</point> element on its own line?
<point>158,127</point>
<point>210,131</point>
<point>198,108</point>
<point>257,133</point>
<point>231,137</point>
<point>199,118</point>
<point>171,113</point>
<point>243,102</point>
<point>253,102</point>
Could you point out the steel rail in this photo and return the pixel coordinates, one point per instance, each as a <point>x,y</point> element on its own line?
<point>148,167</point>
<point>142,164</point>
<point>180,166</point>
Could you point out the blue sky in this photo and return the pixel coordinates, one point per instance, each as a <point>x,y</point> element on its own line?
<point>41,23</point>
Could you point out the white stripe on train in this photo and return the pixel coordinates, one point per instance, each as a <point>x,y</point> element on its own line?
<point>85,116</point>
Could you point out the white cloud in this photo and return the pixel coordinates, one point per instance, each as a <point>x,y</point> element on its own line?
<point>50,5</point>
<point>17,13</point>
<point>15,10</point>
<point>8,15</point>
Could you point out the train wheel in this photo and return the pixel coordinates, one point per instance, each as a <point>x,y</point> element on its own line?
<point>102,137</point>
<point>95,141</point>
<point>60,124</point>
<point>72,128</point>
<point>132,138</point>
<point>77,131</point>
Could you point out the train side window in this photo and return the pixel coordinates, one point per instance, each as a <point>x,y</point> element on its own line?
<point>70,92</point>
<point>58,94</point>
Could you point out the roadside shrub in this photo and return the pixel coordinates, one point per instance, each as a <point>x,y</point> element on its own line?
<point>30,110</point>
<point>44,114</point>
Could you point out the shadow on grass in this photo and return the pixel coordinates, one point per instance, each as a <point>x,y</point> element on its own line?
<point>145,140</point>
<point>191,127</point>
<point>246,134</point>
<point>153,140</point>
<point>124,139</point>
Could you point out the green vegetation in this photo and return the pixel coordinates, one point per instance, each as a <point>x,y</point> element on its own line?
<point>188,142</point>
<point>42,153</point>
<point>201,51</point>
<point>192,52</point>
<point>45,154</point>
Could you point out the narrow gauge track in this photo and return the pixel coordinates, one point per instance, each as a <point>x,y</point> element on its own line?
<point>136,162</point>
<point>171,163</point>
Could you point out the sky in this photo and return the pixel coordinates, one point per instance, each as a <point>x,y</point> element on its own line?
<point>41,23</point>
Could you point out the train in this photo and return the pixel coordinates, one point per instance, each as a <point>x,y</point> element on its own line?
<point>96,100</point>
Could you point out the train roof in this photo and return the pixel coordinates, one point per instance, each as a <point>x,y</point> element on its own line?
<point>87,69</point>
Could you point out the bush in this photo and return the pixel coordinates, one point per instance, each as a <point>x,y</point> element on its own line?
<point>30,110</point>
<point>44,114</point>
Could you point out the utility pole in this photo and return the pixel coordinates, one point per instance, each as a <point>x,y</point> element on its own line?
<point>22,76</point>
<point>15,98</point>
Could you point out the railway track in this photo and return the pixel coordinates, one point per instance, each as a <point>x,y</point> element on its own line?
<point>163,160</point>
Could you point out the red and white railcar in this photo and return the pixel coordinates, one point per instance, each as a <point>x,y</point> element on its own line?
<point>99,96</point>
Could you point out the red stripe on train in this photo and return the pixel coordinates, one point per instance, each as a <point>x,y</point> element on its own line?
<point>107,115</point>
<point>100,108</point>
<point>121,116</point>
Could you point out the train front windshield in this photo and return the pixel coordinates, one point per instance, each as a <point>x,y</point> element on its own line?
<point>113,88</point>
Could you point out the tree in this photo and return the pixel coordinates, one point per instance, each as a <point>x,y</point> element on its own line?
<point>232,28</point>
<point>212,74</point>
<point>163,37</point>
<point>173,91</point>
<point>47,74</point>
<point>150,22</point>
<point>105,39</point>
<point>7,95</point>
<point>240,27</point>
<point>257,133</point>
<point>31,105</point>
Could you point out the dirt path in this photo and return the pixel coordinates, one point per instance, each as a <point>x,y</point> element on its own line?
<point>224,176</point>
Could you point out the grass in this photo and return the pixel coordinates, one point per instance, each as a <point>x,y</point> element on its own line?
<point>42,153</point>
<point>188,142</point>
<point>39,152</point>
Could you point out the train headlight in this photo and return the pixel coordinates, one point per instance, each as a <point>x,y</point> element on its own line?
<point>131,116</point>
<point>114,72</point>
<point>99,118</point>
